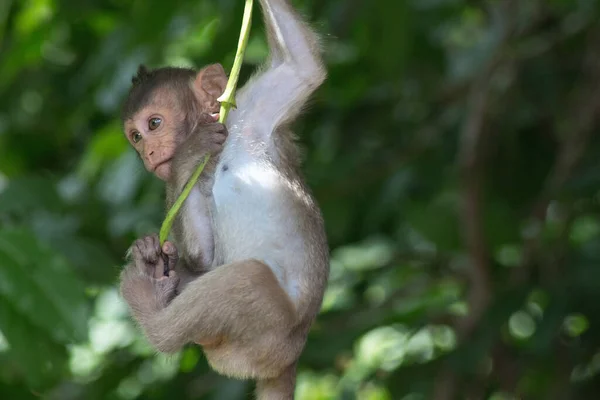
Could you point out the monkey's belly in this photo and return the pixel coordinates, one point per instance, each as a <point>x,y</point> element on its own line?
<point>255,218</point>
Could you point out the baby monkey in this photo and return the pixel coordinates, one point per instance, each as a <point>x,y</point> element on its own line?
<point>249,260</point>
<point>170,117</point>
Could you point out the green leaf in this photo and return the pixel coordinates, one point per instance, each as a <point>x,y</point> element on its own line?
<point>438,221</point>
<point>39,358</point>
<point>41,286</point>
<point>91,259</point>
<point>28,193</point>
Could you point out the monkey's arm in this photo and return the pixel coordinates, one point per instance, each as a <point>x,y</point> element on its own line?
<point>193,227</point>
<point>294,72</point>
<point>205,139</point>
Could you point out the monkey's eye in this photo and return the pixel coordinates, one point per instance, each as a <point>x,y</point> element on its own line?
<point>136,136</point>
<point>154,123</point>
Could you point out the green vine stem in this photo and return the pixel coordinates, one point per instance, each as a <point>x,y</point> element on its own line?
<point>227,101</point>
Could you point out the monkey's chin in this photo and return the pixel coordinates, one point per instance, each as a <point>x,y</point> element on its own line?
<point>163,171</point>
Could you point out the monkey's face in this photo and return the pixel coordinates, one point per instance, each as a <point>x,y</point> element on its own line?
<point>155,133</point>
<point>163,110</point>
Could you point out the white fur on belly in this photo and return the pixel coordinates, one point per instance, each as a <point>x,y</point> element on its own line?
<point>253,219</point>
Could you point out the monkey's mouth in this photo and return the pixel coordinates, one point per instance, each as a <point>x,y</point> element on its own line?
<point>157,166</point>
<point>163,169</point>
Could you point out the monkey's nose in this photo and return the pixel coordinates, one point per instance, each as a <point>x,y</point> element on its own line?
<point>149,155</point>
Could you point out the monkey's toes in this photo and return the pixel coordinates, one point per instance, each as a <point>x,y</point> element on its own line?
<point>166,287</point>
<point>149,248</point>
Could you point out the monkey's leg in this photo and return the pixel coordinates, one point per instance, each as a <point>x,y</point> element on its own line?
<point>242,308</point>
<point>280,388</point>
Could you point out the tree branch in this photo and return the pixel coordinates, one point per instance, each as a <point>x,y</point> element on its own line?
<point>472,172</point>
<point>471,163</point>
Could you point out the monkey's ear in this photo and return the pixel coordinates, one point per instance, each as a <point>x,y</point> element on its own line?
<point>142,70</point>
<point>210,83</point>
<point>141,74</point>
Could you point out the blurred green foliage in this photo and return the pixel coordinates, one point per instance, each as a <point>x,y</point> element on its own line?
<point>453,152</point>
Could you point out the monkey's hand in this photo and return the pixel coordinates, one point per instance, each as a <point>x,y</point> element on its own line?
<point>207,138</point>
<point>212,137</point>
<point>144,284</point>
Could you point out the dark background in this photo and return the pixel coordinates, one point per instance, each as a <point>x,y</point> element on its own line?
<point>453,150</point>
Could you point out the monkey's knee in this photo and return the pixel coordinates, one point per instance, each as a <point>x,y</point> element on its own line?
<point>277,304</point>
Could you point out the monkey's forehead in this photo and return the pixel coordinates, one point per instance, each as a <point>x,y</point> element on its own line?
<point>162,97</point>
<point>144,100</point>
